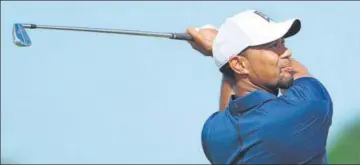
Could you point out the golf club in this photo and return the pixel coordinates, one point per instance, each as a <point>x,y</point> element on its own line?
<point>22,39</point>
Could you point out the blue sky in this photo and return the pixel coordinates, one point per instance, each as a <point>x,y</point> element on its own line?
<point>77,97</point>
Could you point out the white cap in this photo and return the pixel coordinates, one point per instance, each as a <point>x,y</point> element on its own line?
<point>249,28</point>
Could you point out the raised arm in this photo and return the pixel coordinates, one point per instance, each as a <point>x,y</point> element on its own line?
<point>299,72</point>
<point>203,40</point>
<point>305,86</point>
<point>299,69</point>
<point>226,91</point>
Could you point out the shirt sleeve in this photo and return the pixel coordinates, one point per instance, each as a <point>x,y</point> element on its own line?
<point>204,136</point>
<point>307,88</point>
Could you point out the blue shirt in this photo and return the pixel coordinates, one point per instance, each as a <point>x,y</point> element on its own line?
<point>262,128</point>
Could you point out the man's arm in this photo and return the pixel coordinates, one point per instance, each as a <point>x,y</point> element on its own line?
<point>203,40</point>
<point>299,72</point>
<point>299,69</point>
<point>226,91</point>
<point>305,86</point>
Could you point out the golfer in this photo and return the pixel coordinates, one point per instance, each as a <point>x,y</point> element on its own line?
<point>258,126</point>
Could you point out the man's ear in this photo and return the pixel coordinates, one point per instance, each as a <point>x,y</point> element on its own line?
<point>239,65</point>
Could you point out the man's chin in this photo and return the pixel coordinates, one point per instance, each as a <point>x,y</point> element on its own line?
<point>286,82</point>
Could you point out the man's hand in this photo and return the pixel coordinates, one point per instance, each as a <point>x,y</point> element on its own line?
<point>203,39</point>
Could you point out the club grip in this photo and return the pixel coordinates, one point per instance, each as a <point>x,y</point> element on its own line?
<point>182,36</point>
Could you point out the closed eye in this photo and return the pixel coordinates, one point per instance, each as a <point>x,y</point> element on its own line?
<point>276,43</point>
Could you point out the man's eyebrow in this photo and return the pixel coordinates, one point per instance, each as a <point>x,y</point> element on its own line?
<point>275,42</point>
<point>269,44</point>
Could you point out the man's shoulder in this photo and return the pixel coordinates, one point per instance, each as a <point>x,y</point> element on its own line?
<point>288,104</point>
<point>307,88</point>
<point>215,117</point>
<point>289,110</point>
<point>220,122</point>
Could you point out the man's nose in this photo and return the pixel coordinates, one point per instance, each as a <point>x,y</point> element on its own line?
<point>282,50</point>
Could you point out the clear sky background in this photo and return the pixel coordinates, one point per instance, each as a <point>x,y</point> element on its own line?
<point>75,97</point>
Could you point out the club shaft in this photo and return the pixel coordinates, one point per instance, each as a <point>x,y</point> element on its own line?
<point>101,30</point>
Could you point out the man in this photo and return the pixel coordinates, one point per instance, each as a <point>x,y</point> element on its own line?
<point>258,126</point>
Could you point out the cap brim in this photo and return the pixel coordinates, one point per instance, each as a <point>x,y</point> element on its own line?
<point>279,30</point>
<point>292,27</point>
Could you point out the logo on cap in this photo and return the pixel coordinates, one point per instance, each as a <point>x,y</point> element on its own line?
<point>263,16</point>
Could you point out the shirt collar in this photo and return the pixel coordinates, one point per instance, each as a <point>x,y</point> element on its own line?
<point>242,104</point>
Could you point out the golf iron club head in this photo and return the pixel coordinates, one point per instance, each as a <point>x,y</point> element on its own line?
<point>20,37</point>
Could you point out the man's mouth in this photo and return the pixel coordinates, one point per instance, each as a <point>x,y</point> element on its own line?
<point>288,69</point>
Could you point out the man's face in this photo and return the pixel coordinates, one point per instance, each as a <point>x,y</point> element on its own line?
<point>268,66</point>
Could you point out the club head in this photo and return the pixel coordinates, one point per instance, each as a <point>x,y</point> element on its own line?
<point>20,37</point>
